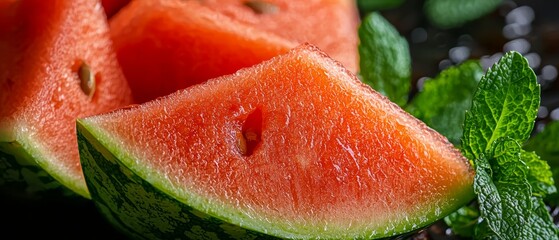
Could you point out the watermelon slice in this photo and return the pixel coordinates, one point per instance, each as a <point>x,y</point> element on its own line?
<point>160,52</point>
<point>295,147</point>
<point>331,25</point>
<point>56,64</point>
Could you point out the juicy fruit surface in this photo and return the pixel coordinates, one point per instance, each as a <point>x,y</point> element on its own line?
<point>111,7</point>
<point>331,25</point>
<point>295,145</point>
<point>161,53</point>
<point>44,45</point>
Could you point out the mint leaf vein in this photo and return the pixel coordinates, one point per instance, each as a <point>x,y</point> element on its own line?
<point>505,104</point>
<point>510,182</point>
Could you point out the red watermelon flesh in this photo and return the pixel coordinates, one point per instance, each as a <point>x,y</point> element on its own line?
<point>166,45</point>
<point>331,25</point>
<point>295,147</point>
<point>44,46</point>
<point>111,7</point>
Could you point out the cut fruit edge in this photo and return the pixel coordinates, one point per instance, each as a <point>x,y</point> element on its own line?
<point>129,166</point>
<point>280,227</point>
<point>31,154</point>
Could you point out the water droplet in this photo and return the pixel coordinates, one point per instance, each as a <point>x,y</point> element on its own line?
<point>555,211</point>
<point>448,232</point>
<point>543,112</point>
<point>488,61</point>
<point>534,59</point>
<point>549,73</point>
<point>520,45</point>
<point>465,40</point>
<point>554,115</point>
<point>506,7</point>
<point>444,64</point>
<point>459,54</point>
<point>420,82</point>
<point>418,35</point>
<point>539,127</point>
<point>514,30</point>
<point>521,15</point>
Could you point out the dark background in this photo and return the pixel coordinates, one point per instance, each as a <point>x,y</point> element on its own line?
<point>485,38</point>
<point>77,218</point>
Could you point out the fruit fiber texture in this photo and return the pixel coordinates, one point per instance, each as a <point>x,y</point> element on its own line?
<point>161,53</point>
<point>294,147</point>
<point>49,49</point>
<point>331,25</point>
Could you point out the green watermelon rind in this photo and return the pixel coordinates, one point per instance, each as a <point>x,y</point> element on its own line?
<point>96,146</point>
<point>140,209</point>
<point>24,174</point>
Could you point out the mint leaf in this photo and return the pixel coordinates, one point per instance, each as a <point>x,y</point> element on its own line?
<point>385,61</point>
<point>504,194</point>
<point>443,100</point>
<point>553,199</point>
<point>546,143</point>
<point>504,105</point>
<point>540,176</point>
<point>482,231</point>
<point>451,13</point>
<point>490,203</point>
<point>463,221</point>
<point>541,222</point>
<point>374,5</point>
<point>510,182</point>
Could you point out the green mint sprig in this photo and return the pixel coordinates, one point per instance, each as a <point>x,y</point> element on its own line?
<point>505,105</point>
<point>385,58</point>
<point>442,102</point>
<point>376,5</point>
<point>463,221</point>
<point>449,13</point>
<point>546,145</point>
<point>510,182</point>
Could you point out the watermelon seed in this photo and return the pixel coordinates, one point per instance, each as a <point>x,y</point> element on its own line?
<point>251,132</point>
<point>262,7</point>
<point>87,81</point>
<point>242,144</point>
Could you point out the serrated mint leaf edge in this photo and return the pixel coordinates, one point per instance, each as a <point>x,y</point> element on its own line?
<point>442,102</point>
<point>480,129</point>
<point>546,143</point>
